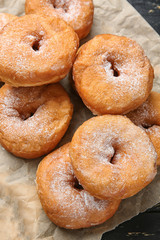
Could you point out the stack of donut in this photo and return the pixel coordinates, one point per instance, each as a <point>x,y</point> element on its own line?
<point>82,183</point>
<point>110,157</point>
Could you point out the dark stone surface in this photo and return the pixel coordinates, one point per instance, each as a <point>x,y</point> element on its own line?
<point>150,10</point>
<point>145,226</point>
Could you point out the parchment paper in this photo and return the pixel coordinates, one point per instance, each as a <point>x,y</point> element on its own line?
<point>21,215</point>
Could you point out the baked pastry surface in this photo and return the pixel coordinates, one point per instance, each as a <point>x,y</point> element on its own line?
<point>34,119</point>
<point>77,13</point>
<point>42,51</point>
<point>147,116</point>
<point>112,74</point>
<point>112,157</point>
<point>63,199</point>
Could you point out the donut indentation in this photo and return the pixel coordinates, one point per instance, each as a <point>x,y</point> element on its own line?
<point>113,67</point>
<point>28,115</point>
<point>77,185</point>
<point>112,160</point>
<point>37,43</point>
<point>146,126</point>
<point>58,4</point>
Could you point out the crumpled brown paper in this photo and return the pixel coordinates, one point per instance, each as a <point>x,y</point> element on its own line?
<point>21,214</point>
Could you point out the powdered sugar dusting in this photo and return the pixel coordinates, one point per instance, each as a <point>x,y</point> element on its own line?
<point>70,10</point>
<point>113,147</point>
<point>32,119</point>
<point>75,207</point>
<point>78,14</point>
<point>145,115</point>
<point>81,201</point>
<point>130,77</point>
<point>111,74</point>
<point>5,19</point>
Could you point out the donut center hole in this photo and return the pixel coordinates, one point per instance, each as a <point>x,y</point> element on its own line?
<point>60,4</point>
<point>36,45</point>
<point>112,160</point>
<point>115,71</point>
<point>26,116</point>
<point>146,126</point>
<point>77,185</point>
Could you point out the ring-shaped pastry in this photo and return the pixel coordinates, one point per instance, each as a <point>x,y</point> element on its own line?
<point>42,51</point>
<point>63,199</point>
<point>34,119</point>
<point>112,74</point>
<point>112,157</point>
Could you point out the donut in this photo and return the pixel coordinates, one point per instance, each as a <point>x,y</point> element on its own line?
<point>147,116</point>
<point>33,119</point>
<point>42,51</point>
<point>5,18</point>
<point>77,13</point>
<point>112,157</point>
<point>63,199</point>
<point>112,74</point>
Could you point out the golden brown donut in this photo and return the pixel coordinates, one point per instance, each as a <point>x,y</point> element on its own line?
<point>33,120</point>
<point>112,74</point>
<point>5,18</point>
<point>77,13</point>
<point>148,117</point>
<point>64,200</point>
<point>112,157</point>
<point>42,51</point>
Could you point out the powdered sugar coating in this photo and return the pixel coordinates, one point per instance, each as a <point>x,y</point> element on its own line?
<point>33,120</point>
<point>112,157</point>
<point>112,74</point>
<point>77,13</point>
<point>6,18</point>
<point>147,116</point>
<point>66,205</point>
